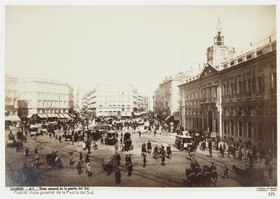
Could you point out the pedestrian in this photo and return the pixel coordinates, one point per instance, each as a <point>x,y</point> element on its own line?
<point>36,157</point>
<point>126,160</point>
<point>129,158</point>
<point>89,169</point>
<point>162,160</point>
<point>266,160</point>
<point>118,158</point>
<point>224,146</point>
<point>144,161</point>
<point>226,172</point>
<point>81,157</point>
<point>222,151</point>
<point>59,138</point>
<point>17,146</point>
<point>36,151</point>
<point>87,158</point>
<point>79,168</point>
<point>139,132</point>
<point>118,176</point>
<point>210,148</point>
<point>71,158</point>
<point>129,168</point>
<point>270,171</point>
<point>26,152</point>
<point>88,147</point>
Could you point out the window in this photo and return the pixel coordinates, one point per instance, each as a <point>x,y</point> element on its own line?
<point>231,88</point>
<point>249,130</point>
<point>240,129</point>
<point>248,86</point>
<point>259,84</point>
<point>225,127</point>
<point>231,128</point>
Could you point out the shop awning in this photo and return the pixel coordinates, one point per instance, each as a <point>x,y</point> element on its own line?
<point>41,115</point>
<point>13,118</point>
<point>72,115</point>
<point>66,115</point>
<point>61,116</point>
<point>29,115</point>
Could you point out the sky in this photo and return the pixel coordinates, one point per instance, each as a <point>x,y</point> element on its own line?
<point>87,45</point>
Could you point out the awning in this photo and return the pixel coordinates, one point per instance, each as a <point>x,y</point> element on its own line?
<point>66,115</point>
<point>41,115</point>
<point>29,115</point>
<point>13,118</point>
<point>61,116</point>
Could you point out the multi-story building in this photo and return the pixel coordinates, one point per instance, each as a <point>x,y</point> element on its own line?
<point>11,95</point>
<point>45,96</point>
<point>143,102</point>
<point>113,100</point>
<point>234,98</point>
<point>248,97</point>
<point>166,97</point>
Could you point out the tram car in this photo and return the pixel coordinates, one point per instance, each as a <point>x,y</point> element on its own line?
<point>127,142</point>
<point>110,138</point>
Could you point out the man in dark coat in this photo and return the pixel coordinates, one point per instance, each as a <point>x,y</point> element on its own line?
<point>129,168</point>
<point>144,161</point>
<point>79,168</point>
<point>118,176</point>
<point>118,158</point>
<point>126,160</point>
<point>210,147</point>
<point>162,160</point>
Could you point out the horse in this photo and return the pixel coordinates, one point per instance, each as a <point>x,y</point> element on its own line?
<point>192,177</point>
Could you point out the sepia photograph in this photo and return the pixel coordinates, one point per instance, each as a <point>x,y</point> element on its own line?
<point>145,96</point>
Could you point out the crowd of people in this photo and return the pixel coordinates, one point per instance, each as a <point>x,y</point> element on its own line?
<point>78,132</point>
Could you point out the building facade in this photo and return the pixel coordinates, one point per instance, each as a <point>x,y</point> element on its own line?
<point>234,98</point>
<point>27,96</point>
<point>166,97</point>
<point>45,96</point>
<point>249,100</point>
<point>11,95</point>
<point>114,100</point>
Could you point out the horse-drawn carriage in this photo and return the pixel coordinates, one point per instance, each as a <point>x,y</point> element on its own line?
<point>127,142</point>
<point>110,138</point>
<point>197,176</point>
<point>12,140</point>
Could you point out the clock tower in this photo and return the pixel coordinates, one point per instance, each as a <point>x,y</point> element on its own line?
<point>219,53</point>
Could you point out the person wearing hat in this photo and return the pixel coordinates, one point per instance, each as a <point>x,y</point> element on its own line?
<point>89,170</point>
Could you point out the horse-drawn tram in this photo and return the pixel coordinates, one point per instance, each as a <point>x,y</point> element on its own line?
<point>183,142</point>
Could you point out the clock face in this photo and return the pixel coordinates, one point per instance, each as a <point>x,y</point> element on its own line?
<point>222,53</point>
